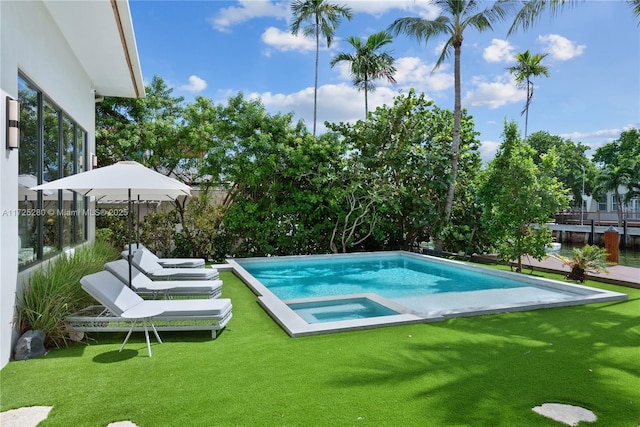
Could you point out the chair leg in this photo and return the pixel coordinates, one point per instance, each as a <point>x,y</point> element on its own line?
<point>146,335</point>
<point>133,324</point>
<point>155,331</point>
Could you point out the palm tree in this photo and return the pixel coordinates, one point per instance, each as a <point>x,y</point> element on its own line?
<point>458,15</point>
<point>323,18</point>
<point>367,64</point>
<point>531,10</point>
<point>590,259</point>
<point>528,66</point>
<point>611,178</point>
<point>635,5</point>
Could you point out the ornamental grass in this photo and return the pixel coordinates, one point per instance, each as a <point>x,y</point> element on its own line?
<point>53,292</point>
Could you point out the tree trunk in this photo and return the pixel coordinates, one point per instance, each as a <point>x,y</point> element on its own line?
<point>576,274</point>
<point>315,85</point>
<point>366,99</point>
<point>526,110</point>
<point>619,202</point>
<point>455,140</point>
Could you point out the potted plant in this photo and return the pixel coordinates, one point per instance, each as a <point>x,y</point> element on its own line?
<point>589,259</point>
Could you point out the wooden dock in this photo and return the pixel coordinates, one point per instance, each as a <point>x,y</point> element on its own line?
<point>594,234</point>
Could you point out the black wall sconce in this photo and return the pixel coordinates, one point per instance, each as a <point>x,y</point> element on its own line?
<point>13,123</point>
<point>94,161</point>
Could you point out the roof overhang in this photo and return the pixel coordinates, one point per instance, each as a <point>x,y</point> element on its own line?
<point>101,35</point>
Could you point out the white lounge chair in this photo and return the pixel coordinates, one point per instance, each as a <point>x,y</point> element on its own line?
<point>166,262</point>
<point>146,287</point>
<point>127,306</point>
<point>145,263</point>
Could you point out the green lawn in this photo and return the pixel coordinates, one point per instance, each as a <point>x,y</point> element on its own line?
<point>480,371</point>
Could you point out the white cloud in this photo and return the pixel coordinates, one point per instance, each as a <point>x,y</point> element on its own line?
<point>560,48</point>
<point>285,41</point>
<point>412,72</point>
<point>601,136</point>
<point>499,51</point>
<point>497,93</point>
<point>603,133</point>
<point>344,70</point>
<point>425,10</point>
<point>336,103</point>
<point>488,150</point>
<point>438,49</point>
<point>247,10</point>
<point>196,84</point>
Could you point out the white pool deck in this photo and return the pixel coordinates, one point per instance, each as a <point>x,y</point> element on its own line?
<point>543,293</point>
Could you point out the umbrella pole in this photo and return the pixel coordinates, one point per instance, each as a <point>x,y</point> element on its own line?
<point>129,239</point>
<point>138,226</point>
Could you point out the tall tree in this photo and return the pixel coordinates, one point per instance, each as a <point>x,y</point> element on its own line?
<point>612,178</point>
<point>517,194</point>
<point>368,63</point>
<point>573,168</point>
<point>457,16</point>
<point>528,66</point>
<point>406,146</point>
<point>146,130</point>
<point>619,166</point>
<point>321,18</point>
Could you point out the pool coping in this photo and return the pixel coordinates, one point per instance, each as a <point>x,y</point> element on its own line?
<point>295,326</point>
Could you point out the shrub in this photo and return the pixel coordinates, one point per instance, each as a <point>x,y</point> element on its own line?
<point>54,292</point>
<point>589,259</point>
<point>118,225</point>
<point>157,232</point>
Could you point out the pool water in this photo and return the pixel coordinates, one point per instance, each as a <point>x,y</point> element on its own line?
<point>338,310</point>
<point>390,276</point>
<point>308,295</point>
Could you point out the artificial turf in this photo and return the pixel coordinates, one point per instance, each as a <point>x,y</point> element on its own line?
<point>479,371</point>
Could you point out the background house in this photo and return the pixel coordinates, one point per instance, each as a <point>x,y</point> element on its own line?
<point>605,211</point>
<point>56,58</point>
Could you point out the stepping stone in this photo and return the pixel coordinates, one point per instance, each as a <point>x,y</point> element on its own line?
<point>567,414</point>
<point>24,417</point>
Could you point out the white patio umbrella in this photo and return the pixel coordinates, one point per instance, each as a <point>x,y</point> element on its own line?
<point>126,180</point>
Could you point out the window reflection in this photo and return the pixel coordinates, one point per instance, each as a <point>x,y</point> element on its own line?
<point>80,161</point>
<point>68,168</point>
<point>52,146</point>
<point>28,177</point>
<point>51,172</point>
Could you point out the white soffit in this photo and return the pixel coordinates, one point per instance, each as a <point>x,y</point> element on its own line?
<point>100,33</point>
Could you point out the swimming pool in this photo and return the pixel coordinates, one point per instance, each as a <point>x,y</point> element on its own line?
<point>323,293</point>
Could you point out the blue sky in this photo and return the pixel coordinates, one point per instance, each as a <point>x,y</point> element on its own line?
<point>217,48</point>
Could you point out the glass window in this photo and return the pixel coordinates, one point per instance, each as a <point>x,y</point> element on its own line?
<point>602,206</point>
<point>614,203</point>
<point>68,211</point>
<point>52,146</point>
<point>28,175</point>
<point>51,172</point>
<point>80,161</point>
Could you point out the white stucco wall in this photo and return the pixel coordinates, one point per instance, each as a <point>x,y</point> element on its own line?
<point>30,42</point>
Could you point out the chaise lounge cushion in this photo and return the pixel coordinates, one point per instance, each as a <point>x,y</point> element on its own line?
<point>144,285</point>
<point>145,263</point>
<point>166,262</point>
<point>109,291</point>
